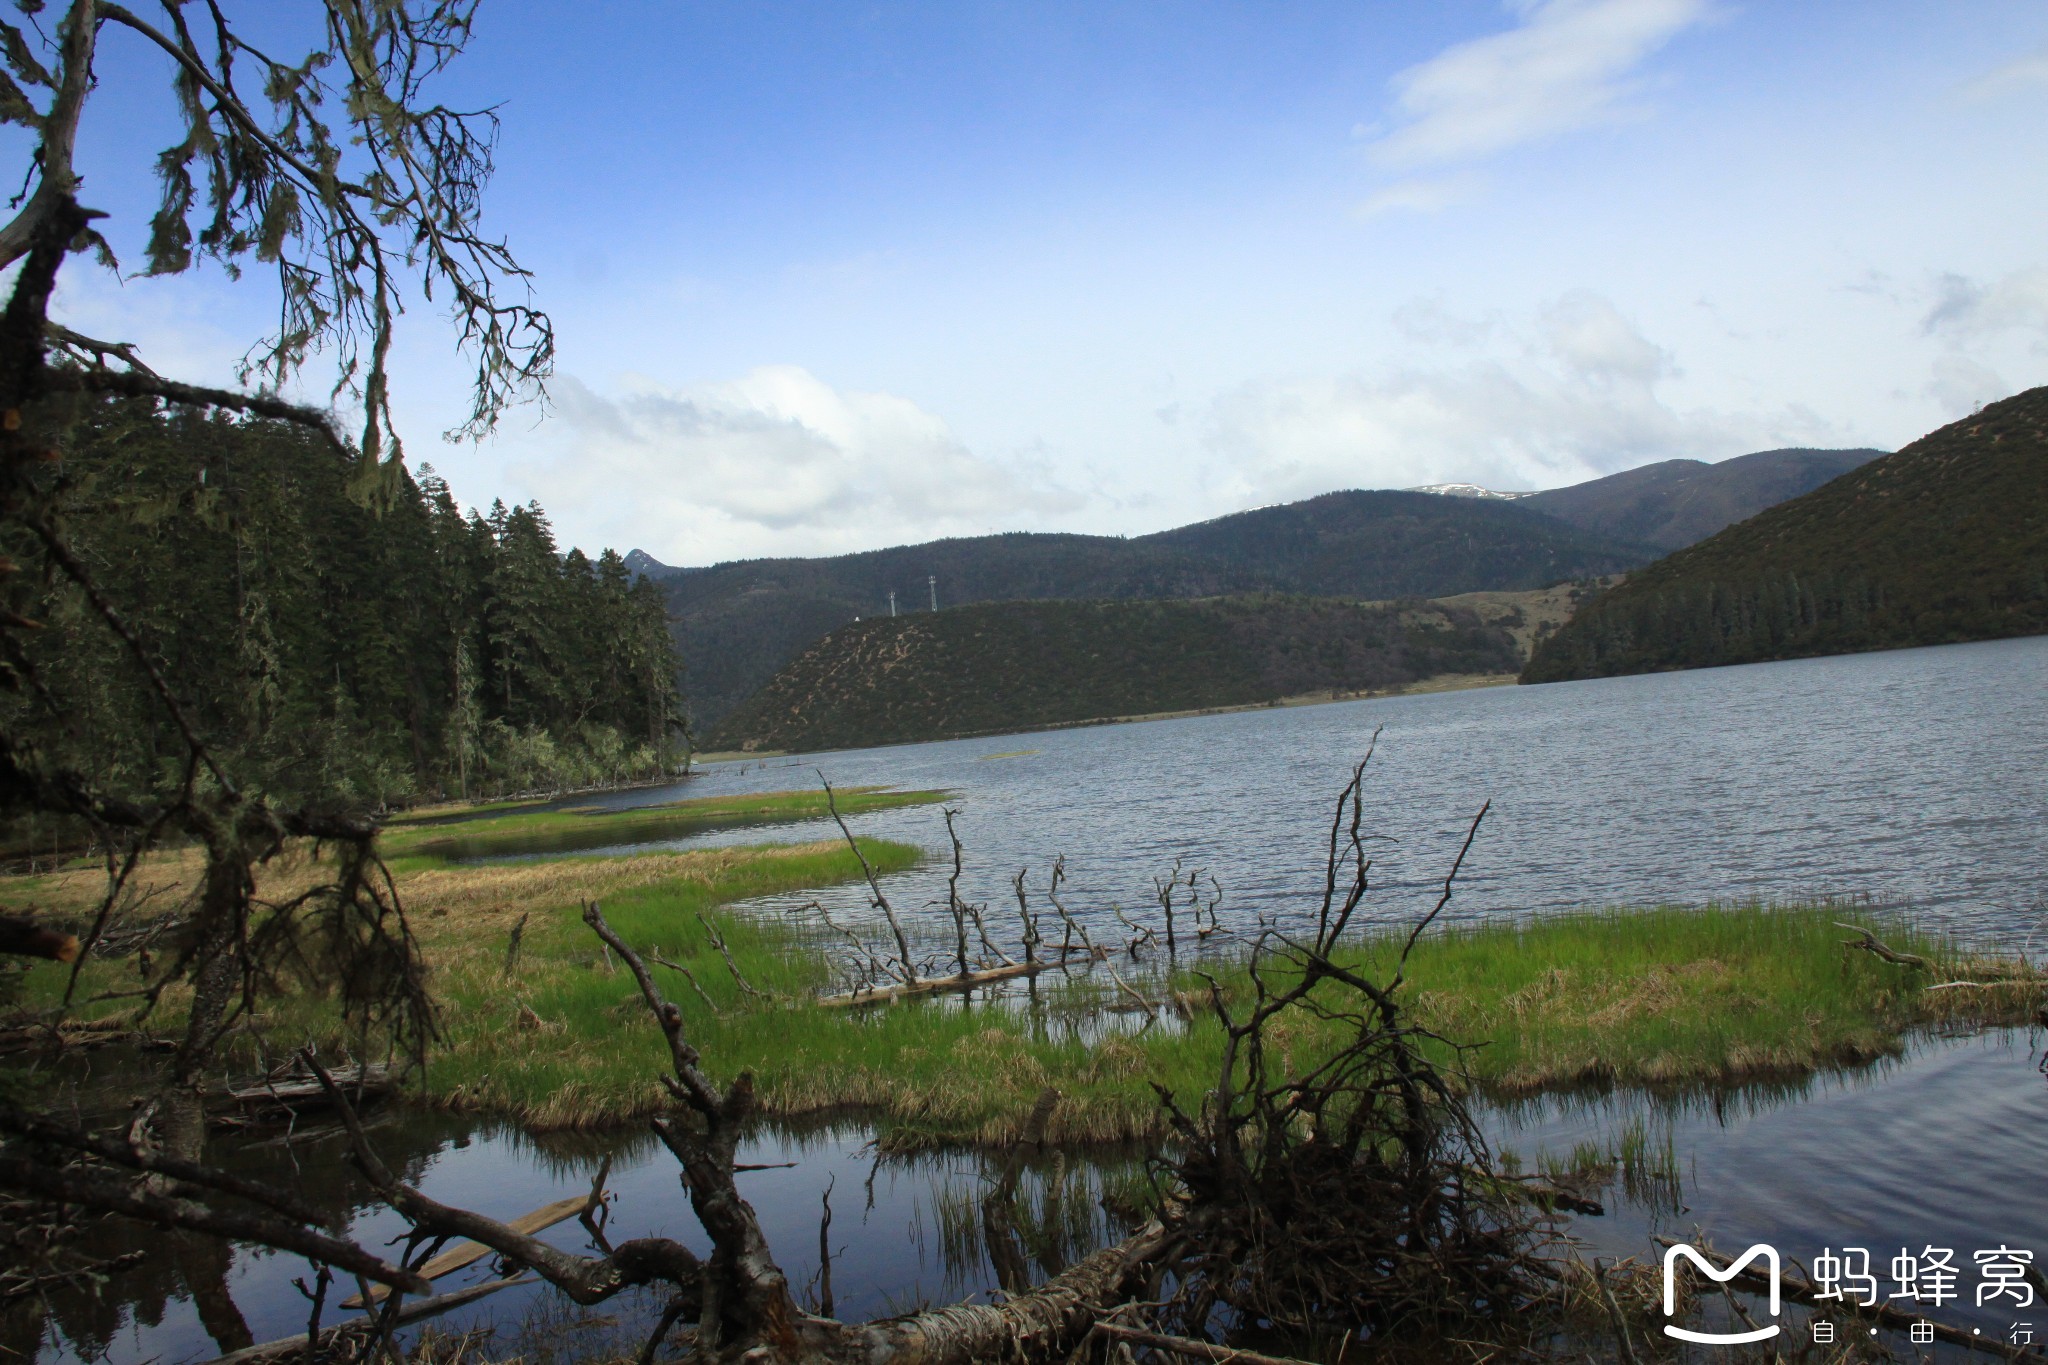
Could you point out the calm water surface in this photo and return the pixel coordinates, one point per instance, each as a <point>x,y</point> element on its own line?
<point>1942,1147</point>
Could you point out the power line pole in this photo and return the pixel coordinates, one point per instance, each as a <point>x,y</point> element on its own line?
<point>933,583</point>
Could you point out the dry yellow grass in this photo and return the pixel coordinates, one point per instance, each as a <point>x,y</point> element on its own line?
<point>459,894</point>
<point>469,897</point>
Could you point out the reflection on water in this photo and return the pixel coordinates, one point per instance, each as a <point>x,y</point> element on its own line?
<point>905,1232</point>
<point>1940,1147</point>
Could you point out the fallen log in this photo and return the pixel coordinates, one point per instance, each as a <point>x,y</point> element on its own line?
<point>1871,943</point>
<point>408,1312</point>
<point>71,1033</point>
<point>1188,1346</point>
<point>278,1098</point>
<point>932,985</point>
<point>1051,1319</point>
<point>469,1253</point>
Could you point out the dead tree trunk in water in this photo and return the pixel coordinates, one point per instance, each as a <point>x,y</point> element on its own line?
<point>1348,1193</point>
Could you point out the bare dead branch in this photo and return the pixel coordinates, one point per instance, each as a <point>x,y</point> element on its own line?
<point>718,941</point>
<point>906,965</point>
<point>72,1186</point>
<point>1870,943</point>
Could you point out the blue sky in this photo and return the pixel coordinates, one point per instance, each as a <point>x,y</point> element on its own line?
<point>830,277</point>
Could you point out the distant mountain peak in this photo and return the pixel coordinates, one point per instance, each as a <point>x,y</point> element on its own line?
<point>1464,490</point>
<point>646,565</point>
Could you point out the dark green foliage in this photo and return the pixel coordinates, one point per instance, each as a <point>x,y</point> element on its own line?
<point>738,623</point>
<point>343,654</point>
<point>1005,666</point>
<point>1675,503</point>
<point>1947,540</point>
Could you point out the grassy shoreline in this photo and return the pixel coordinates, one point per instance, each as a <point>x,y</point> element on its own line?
<point>1647,996</point>
<point>580,827</point>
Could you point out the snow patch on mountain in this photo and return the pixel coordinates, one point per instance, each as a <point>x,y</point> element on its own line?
<point>1466,490</point>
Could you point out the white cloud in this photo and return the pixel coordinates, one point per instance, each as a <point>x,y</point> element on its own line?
<point>1421,196</point>
<point>1962,385</point>
<point>1568,395</point>
<point>1979,325</point>
<point>775,462</point>
<point>2026,73</point>
<point>1568,64</point>
<point>1967,310</point>
<point>186,327</point>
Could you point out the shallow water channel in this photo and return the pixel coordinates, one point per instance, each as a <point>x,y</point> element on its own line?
<point>1942,1147</point>
<point>1917,778</point>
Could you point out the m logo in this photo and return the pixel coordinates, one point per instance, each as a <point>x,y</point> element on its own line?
<point>1671,1255</point>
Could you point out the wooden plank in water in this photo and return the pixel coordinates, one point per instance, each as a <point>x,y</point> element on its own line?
<point>469,1253</point>
<point>411,1312</point>
<point>934,985</point>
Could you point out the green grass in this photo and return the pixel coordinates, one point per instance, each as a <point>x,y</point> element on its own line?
<point>456,813</point>
<point>566,830</point>
<point>1650,997</point>
<point>1659,997</point>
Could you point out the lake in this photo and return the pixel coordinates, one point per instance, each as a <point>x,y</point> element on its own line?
<point>1917,778</point>
<point>1914,777</point>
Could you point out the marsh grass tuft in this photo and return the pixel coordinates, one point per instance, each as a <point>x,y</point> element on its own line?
<point>584,827</point>
<point>1670,996</point>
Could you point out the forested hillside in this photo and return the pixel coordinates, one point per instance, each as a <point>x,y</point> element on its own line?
<point>1675,503</point>
<point>1002,666</point>
<point>1946,540</point>
<point>739,623</point>
<point>345,653</point>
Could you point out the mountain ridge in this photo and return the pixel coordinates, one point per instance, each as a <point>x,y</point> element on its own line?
<point>997,667</point>
<point>1675,503</point>
<point>739,623</point>
<point>1945,540</point>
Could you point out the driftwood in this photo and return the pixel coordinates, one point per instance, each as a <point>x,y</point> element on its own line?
<point>469,1253</point>
<point>1188,1346</point>
<point>718,942</point>
<point>1151,1012</point>
<point>739,1297</point>
<point>1870,943</point>
<point>906,965</point>
<point>932,985</point>
<point>658,960</point>
<point>76,1033</point>
<point>1985,985</point>
<point>279,1099</point>
<point>1544,1191</point>
<point>2001,973</point>
<point>407,1312</point>
<point>1047,1322</point>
